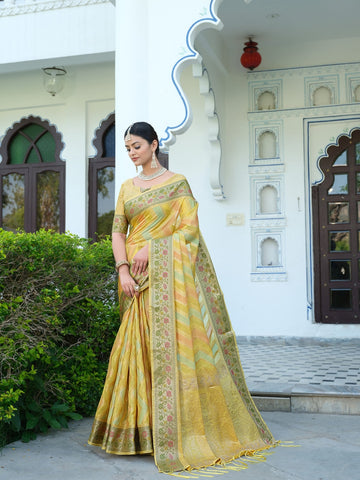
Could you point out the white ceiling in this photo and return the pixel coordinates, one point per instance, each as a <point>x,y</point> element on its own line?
<point>282,27</point>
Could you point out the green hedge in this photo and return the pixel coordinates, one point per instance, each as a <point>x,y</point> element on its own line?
<point>58,318</point>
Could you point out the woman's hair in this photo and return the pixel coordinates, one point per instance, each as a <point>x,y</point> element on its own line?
<point>145,131</point>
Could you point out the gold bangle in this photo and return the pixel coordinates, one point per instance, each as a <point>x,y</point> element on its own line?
<point>120,263</point>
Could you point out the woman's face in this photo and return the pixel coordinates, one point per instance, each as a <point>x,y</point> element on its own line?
<point>140,150</point>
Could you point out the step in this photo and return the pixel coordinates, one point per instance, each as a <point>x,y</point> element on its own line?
<point>333,403</point>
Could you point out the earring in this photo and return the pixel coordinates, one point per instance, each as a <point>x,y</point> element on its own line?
<point>153,161</point>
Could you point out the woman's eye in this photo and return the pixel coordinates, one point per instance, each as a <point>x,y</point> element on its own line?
<point>137,147</point>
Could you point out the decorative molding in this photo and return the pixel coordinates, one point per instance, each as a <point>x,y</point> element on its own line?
<point>269,277</point>
<point>302,71</point>
<point>13,7</point>
<point>213,129</point>
<point>268,223</point>
<point>308,112</point>
<point>266,167</point>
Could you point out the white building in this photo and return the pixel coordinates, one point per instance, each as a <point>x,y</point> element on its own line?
<point>272,155</point>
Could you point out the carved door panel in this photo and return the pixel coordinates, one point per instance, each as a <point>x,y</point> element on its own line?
<point>336,234</point>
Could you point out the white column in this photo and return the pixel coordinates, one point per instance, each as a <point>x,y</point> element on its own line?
<point>131,76</point>
<point>154,40</point>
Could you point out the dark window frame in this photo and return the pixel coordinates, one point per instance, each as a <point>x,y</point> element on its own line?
<point>96,163</point>
<point>30,171</point>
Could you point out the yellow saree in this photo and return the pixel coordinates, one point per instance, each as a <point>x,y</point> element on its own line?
<point>175,386</point>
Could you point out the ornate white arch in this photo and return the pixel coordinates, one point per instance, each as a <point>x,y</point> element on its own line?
<point>208,18</point>
<point>213,130</point>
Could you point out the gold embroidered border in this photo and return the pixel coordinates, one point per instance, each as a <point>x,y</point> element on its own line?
<point>163,194</point>
<point>129,441</point>
<point>164,352</point>
<point>120,224</point>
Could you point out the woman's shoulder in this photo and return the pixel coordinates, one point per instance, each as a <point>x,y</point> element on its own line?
<point>127,183</point>
<point>177,177</point>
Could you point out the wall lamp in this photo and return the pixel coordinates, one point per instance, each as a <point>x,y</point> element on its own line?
<point>54,79</point>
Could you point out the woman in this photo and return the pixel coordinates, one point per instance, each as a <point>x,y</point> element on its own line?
<point>175,387</point>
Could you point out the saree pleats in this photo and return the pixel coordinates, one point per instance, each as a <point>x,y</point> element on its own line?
<point>175,386</point>
<point>123,423</point>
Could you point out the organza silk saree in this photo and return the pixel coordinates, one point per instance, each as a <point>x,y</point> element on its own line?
<point>175,387</point>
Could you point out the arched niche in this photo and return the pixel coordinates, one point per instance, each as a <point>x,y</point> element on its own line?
<point>269,200</point>
<point>270,253</point>
<point>267,144</point>
<point>357,94</point>
<point>266,101</point>
<point>322,96</point>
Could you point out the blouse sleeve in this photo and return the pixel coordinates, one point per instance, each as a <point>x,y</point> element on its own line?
<point>120,223</point>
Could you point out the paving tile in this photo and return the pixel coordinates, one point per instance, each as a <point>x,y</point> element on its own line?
<point>324,364</point>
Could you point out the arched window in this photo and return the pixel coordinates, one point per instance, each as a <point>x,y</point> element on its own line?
<point>102,181</point>
<point>32,177</point>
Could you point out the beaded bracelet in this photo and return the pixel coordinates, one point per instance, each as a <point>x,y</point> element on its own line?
<point>121,262</point>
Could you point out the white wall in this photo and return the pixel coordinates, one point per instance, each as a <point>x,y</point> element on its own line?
<point>76,112</point>
<point>57,33</point>
<point>261,308</point>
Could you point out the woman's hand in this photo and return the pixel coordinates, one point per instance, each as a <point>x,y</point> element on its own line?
<point>140,261</point>
<point>128,284</point>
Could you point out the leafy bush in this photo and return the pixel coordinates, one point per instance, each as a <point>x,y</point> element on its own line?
<point>58,319</point>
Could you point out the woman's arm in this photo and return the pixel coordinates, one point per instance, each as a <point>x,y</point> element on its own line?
<point>119,250</point>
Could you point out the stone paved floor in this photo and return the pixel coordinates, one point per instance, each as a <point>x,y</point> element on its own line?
<point>336,364</point>
<point>328,449</point>
<point>280,366</point>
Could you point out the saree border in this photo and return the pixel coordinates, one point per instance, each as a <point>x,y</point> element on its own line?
<point>163,194</point>
<point>165,383</point>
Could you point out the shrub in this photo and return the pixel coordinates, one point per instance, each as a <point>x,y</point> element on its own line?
<point>58,319</point>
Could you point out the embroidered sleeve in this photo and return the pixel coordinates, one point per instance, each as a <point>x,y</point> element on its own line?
<point>120,223</point>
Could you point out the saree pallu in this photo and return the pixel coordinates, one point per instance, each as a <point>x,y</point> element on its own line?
<point>175,386</point>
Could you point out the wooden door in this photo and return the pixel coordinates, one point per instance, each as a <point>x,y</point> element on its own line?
<point>336,234</point>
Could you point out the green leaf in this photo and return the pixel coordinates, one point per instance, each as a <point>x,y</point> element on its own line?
<point>16,422</point>
<point>51,420</point>
<point>33,406</point>
<point>59,408</point>
<point>63,422</point>
<point>32,422</point>
<point>26,436</point>
<point>43,426</point>
<point>74,416</point>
